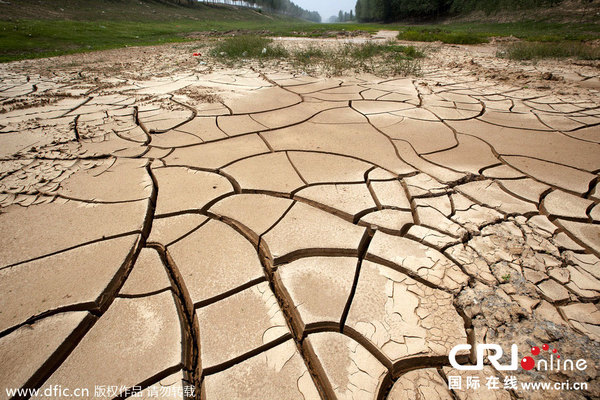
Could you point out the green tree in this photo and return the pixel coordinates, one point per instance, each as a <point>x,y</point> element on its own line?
<point>390,10</point>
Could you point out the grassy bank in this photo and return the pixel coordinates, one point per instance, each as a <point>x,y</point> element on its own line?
<point>473,32</point>
<point>540,50</point>
<point>24,39</point>
<point>42,38</point>
<point>42,28</point>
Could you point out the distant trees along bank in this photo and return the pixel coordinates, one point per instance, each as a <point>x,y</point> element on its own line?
<point>391,10</point>
<point>279,6</point>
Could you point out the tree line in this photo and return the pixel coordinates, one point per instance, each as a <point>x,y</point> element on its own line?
<point>343,16</point>
<point>278,6</point>
<point>393,10</point>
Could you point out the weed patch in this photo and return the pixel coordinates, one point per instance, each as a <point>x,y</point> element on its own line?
<point>380,59</point>
<point>541,50</point>
<point>248,46</point>
<point>435,35</point>
<point>376,58</point>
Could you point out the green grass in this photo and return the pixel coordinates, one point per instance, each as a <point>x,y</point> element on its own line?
<point>34,39</point>
<point>248,46</point>
<point>34,28</point>
<point>309,55</point>
<point>541,50</point>
<point>424,35</point>
<point>25,39</point>
<point>122,10</point>
<point>368,50</point>
<point>473,33</point>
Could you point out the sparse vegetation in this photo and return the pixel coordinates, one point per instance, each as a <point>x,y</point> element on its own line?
<point>432,35</point>
<point>377,58</point>
<point>370,49</point>
<point>506,278</point>
<point>541,50</point>
<point>248,46</point>
<point>309,55</point>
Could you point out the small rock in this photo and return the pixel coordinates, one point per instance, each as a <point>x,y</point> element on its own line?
<point>548,76</point>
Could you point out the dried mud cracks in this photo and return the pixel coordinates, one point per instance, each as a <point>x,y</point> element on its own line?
<point>298,238</point>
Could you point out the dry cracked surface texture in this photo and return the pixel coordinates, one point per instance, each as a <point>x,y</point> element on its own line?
<point>256,233</point>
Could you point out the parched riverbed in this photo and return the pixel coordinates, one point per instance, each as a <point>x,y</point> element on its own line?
<point>259,232</point>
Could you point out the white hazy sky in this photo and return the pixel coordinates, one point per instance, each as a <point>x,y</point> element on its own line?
<point>327,8</point>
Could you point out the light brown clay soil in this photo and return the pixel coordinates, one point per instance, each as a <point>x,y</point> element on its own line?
<point>257,232</point>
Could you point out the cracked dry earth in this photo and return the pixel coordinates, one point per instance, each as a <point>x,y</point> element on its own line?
<point>291,237</point>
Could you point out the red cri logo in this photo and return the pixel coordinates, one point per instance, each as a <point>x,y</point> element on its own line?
<point>528,363</point>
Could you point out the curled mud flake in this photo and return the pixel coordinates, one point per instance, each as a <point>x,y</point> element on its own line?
<point>407,321</point>
<point>350,369</point>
